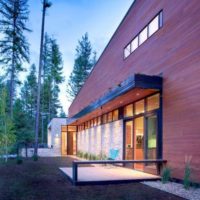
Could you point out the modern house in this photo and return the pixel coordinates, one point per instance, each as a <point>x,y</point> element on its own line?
<point>143,95</point>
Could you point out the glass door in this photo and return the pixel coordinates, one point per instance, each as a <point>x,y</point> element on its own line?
<point>139,142</point>
<point>129,140</point>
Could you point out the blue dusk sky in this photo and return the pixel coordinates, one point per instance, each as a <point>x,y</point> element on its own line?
<point>67,21</point>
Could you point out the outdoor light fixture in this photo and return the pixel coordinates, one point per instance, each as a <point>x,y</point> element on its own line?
<point>57,135</point>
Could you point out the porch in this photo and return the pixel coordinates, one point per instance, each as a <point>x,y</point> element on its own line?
<point>108,172</point>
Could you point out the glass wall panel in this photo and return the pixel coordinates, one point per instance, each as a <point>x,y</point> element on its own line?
<point>128,111</point>
<point>139,107</point>
<point>153,102</point>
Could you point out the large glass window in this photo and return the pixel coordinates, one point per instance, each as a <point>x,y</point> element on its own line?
<point>139,107</point>
<point>128,110</point>
<point>153,102</point>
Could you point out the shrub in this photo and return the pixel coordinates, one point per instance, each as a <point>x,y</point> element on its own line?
<point>166,175</point>
<point>35,157</point>
<point>187,175</point>
<point>19,160</point>
<point>86,155</point>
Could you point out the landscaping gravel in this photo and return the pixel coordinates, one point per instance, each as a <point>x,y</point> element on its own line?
<point>176,189</point>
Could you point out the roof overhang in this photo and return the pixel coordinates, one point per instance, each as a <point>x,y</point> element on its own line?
<point>136,81</point>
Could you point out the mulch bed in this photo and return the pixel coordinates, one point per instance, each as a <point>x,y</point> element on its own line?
<point>42,180</point>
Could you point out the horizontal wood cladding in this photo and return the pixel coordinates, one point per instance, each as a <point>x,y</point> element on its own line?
<point>174,53</point>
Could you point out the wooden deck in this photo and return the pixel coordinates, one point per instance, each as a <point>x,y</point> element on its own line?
<point>107,175</point>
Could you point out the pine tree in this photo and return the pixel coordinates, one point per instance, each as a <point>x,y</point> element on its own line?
<point>29,92</point>
<point>83,65</point>
<point>52,73</point>
<point>25,126</point>
<point>52,78</point>
<point>14,48</point>
<point>62,113</point>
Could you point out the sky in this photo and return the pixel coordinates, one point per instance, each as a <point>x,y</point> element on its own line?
<point>67,21</point>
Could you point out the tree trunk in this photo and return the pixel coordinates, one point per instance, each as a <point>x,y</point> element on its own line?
<point>39,81</point>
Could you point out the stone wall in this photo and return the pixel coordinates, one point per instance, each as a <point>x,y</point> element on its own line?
<point>101,139</point>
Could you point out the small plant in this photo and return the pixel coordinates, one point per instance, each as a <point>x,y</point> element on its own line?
<point>35,157</point>
<point>187,175</point>
<point>86,155</point>
<point>19,160</point>
<point>166,175</point>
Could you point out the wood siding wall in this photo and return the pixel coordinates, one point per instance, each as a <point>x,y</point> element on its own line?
<point>174,53</point>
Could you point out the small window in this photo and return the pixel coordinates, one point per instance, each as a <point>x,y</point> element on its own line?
<point>99,120</point>
<point>89,125</point>
<point>153,102</point>
<point>134,44</point>
<point>128,110</point>
<point>127,51</point>
<point>95,121</point>
<point>110,117</point>
<point>115,115</point>
<point>104,118</point>
<point>86,125</point>
<point>139,107</point>
<point>92,123</point>
<point>154,25</point>
<point>143,36</point>
<point>71,128</point>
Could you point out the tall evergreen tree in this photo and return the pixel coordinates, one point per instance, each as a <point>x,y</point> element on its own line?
<point>52,73</point>
<point>24,128</point>
<point>83,65</point>
<point>52,78</point>
<point>14,48</point>
<point>29,92</point>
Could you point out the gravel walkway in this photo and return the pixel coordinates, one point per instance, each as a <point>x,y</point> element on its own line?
<point>176,188</point>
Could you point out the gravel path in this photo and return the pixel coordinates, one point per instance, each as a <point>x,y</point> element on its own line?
<point>176,188</point>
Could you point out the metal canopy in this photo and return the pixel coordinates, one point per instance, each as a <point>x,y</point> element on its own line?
<point>137,81</point>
